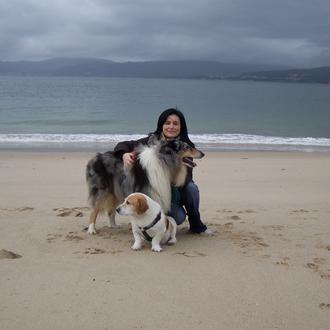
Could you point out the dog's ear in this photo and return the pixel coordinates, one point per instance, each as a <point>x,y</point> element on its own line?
<point>152,140</point>
<point>175,145</point>
<point>142,205</point>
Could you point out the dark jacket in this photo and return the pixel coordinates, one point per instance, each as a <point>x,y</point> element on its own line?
<point>128,146</point>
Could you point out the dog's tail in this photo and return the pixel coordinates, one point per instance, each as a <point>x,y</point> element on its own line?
<point>97,177</point>
<point>91,180</point>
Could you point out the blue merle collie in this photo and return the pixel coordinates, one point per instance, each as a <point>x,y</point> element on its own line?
<point>159,164</point>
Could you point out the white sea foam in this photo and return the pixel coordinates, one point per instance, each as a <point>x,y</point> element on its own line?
<point>207,139</point>
<point>258,139</point>
<point>66,138</point>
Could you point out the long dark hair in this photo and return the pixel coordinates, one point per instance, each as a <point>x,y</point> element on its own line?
<point>183,131</point>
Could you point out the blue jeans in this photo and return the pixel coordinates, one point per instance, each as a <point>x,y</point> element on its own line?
<point>190,200</point>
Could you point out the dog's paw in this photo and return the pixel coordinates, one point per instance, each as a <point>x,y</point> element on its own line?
<point>172,241</point>
<point>91,229</point>
<point>156,248</point>
<point>136,247</point>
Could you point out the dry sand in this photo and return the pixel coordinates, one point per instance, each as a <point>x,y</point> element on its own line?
<point>267,267</point>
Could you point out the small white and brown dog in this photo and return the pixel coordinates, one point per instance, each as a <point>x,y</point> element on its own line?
<point>148,221</point>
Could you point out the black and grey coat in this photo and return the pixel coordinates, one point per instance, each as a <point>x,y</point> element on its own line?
<point>129,146</point>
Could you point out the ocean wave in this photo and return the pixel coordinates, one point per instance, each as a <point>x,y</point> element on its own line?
<point>67,138</point>
<point>209,139</point>
<point>259,139</point>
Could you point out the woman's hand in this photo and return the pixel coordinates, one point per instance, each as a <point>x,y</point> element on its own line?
<point>129,159</point>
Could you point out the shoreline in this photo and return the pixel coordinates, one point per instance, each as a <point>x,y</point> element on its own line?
<point>103,147</point>
<point>206,141</point>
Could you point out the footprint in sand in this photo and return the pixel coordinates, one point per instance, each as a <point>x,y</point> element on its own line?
<point>246,211</point>
<point>25,208</point>
<point>326,247</point>
<point>283,262</point>
<point>228,226</point>
<point>325,275</point>
<point>70,211</point>
<point>94,251</point>
<point>324,306</point>
<point>266,256</point>
<point>304,211</point>
<point>5,254</point>
<point>235,217</point>
<point>52,237</point>
<point>241,238</point>
<point>115,251</point>
<point>277,227</point>
<point>276,230</point>
<point>299,245</point>
<point>72,236</point>
<point>312,266</point>
<point>224,211</point>
<point>319,261</point>
<point>250,239</point>
<point>99,251</point>
<point>239,211</point>
<point>191,254</point>
<point>316,264</point>
<point>300,211</point>
<point>19,209</point>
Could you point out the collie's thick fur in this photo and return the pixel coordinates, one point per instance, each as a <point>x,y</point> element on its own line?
<point>158,165</point>
<point>149,222</point>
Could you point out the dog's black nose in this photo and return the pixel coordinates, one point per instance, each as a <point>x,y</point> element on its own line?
<point>117,209</point>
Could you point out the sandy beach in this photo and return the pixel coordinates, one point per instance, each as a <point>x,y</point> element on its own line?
<point>266,267</point>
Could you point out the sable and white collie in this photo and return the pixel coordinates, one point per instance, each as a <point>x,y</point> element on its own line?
<point>158,165</point>
<point>149,222</point>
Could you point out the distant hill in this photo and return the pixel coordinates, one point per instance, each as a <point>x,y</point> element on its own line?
<point>314,75</point>
<point>152,69</point>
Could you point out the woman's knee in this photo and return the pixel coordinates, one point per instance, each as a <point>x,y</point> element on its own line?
<point>190,191</point>
<point>192,187</point>
<point>178,213</point>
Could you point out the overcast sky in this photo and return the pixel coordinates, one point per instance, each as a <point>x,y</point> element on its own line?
<point>293,32</point>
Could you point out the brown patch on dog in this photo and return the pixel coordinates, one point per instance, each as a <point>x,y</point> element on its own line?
<point>140,203</point>
<point>170,227</point>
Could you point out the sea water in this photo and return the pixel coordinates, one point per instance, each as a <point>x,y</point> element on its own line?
<point>83,113</point>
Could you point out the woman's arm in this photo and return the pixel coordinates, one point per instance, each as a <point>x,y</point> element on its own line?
<point>125,150</point>
<point>124,147</point>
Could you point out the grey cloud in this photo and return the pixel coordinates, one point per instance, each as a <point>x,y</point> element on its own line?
<point>292,32</point>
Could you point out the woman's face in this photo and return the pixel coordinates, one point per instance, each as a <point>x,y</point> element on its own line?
<point>172,127</point>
